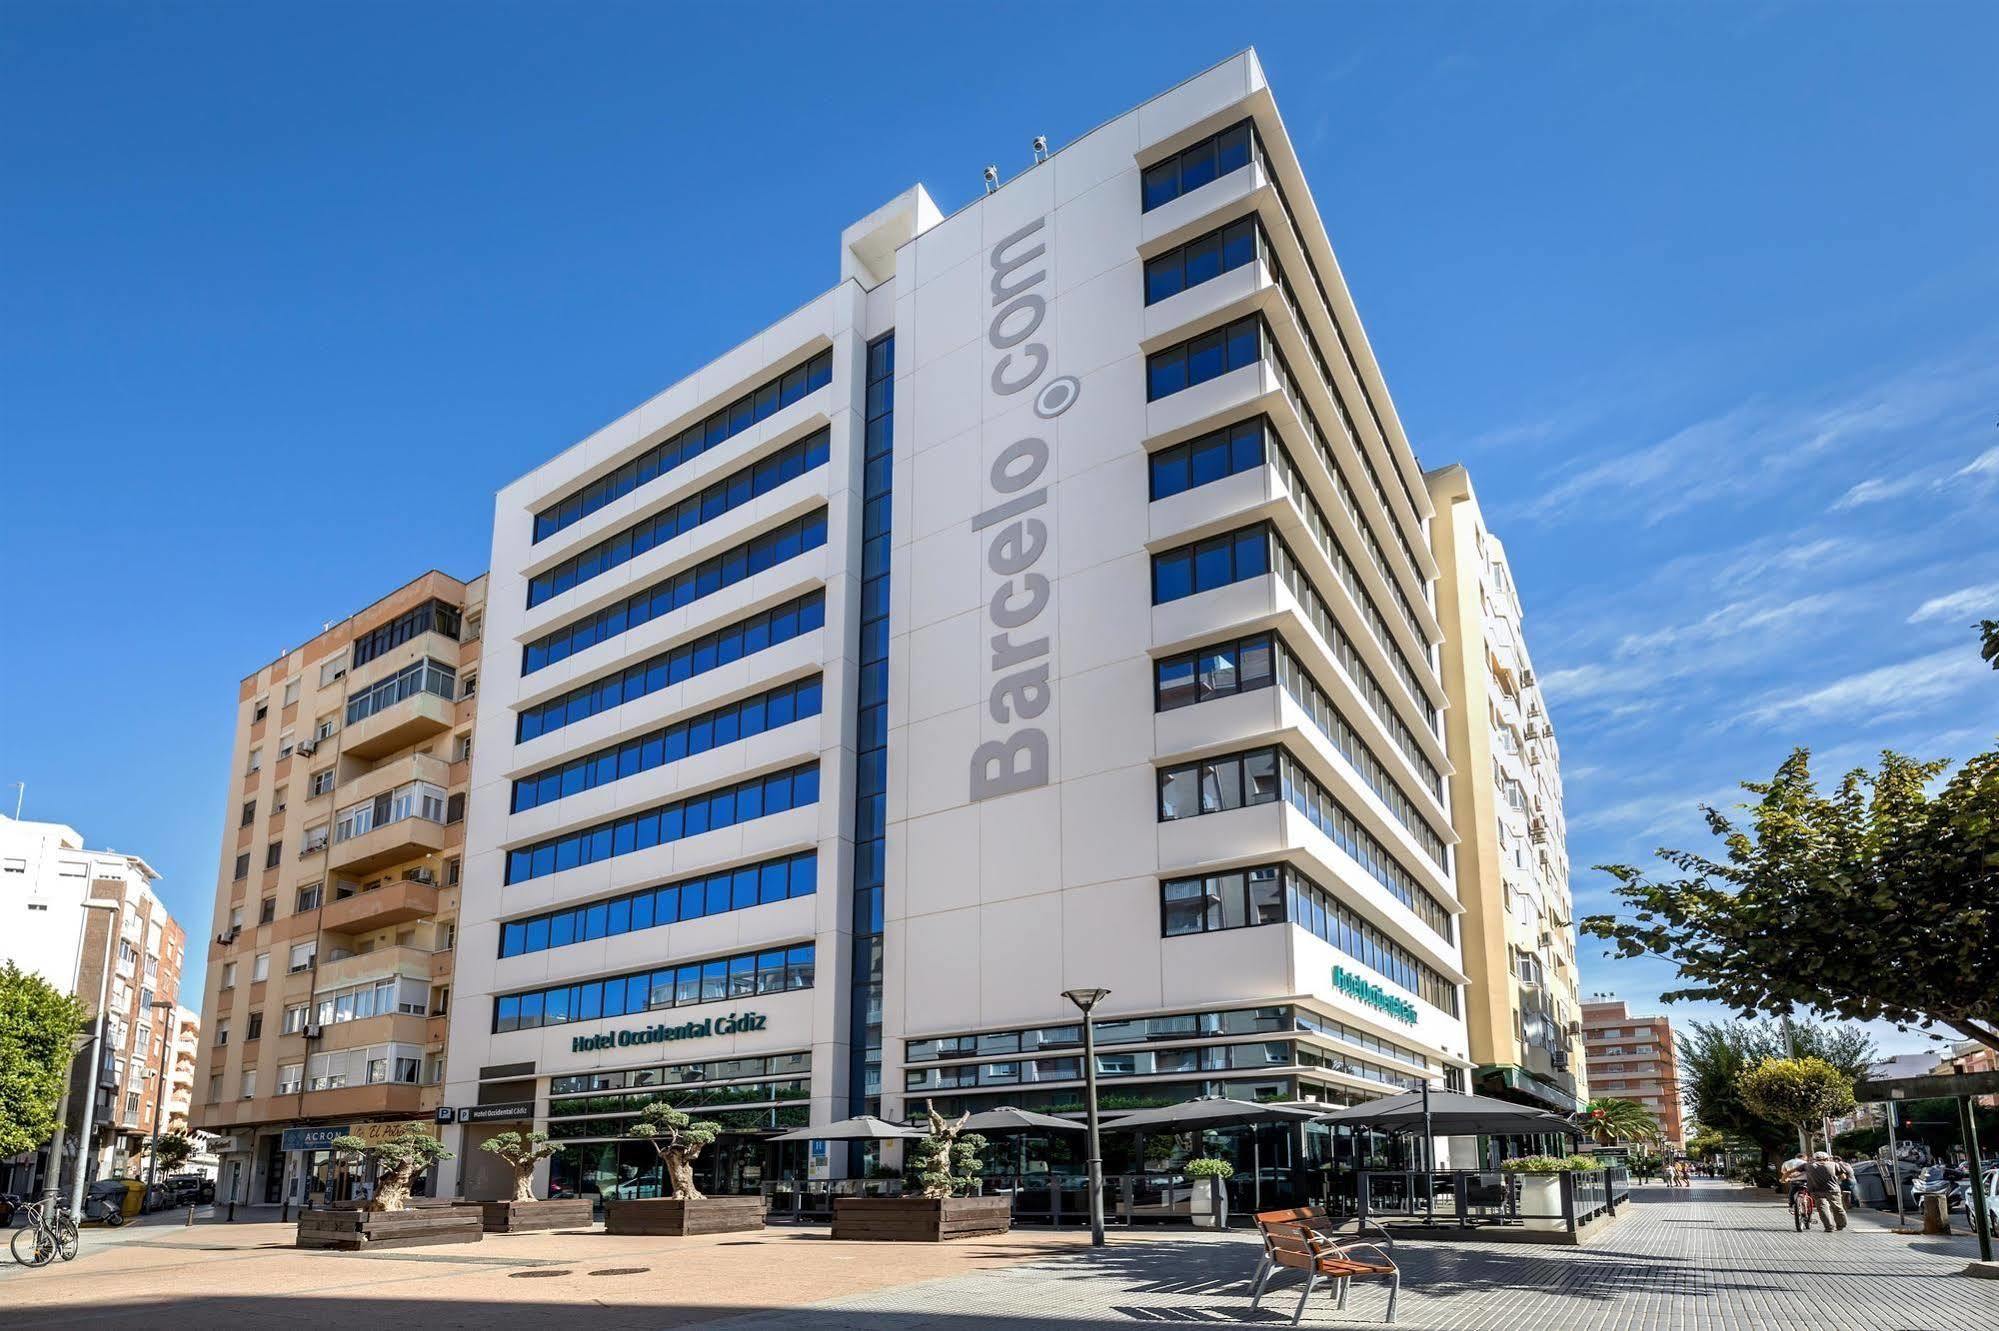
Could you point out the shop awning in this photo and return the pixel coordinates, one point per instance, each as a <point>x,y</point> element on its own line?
<point>1451,1115</point>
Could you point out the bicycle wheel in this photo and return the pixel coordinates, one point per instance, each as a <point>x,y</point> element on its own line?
<point>1800,1217</point>
<point>39,1249</point>
<point>68,1238</point>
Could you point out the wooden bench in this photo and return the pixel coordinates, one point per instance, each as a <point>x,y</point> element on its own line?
<point>1298,1241</point>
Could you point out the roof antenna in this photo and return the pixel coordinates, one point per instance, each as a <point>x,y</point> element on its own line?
<point>1040,148</point>
<point>992,179</point>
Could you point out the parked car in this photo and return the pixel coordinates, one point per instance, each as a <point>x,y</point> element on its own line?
<point>189,1189</point>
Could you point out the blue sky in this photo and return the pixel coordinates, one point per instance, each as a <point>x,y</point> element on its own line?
<point>1703,294</point>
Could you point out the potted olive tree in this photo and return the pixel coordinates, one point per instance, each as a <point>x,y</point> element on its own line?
<point>946,1167</point>
<point>522,1151</point>
<point>679,1138</point>
<point>386,1221</point>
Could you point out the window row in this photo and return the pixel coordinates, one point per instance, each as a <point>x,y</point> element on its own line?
<point>683,1096</point>
<point>1322,535</point>
<point>1319,913</point>
<point>1205,565</point>
<point>1339,1030</point>
<point>426,676</point>
<point>1194,166</point>
<point>766,628</point>
<point>1207,356</point>
<point>687,445</point>
<point>373,1065</point>
<point>711,575</point>
<point>1263,776</point>
<point>774,971</point>
<point>1347,1065</point>
<point>604,1141</point>
<point>1202,259</point>
<point>1341,646</point>
<point>379,998</point>
<point>1212,457</point>
<point>687,899</point>
<point>416,799</point>
<point>431,617</point>
<point>678,1074</point>
<point>790,789</point>
<point>683,739</point>
<point>724,496</point>
<point>1276,894</point>
<point>1175,1026</point>
<point>1243,665</point>
<point>1130,1063</point>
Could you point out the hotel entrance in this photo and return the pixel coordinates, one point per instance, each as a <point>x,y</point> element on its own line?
<point>625,1170</point>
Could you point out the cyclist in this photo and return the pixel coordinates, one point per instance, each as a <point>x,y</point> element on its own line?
<point>1791,1176</point>
<point>1823,1177</point>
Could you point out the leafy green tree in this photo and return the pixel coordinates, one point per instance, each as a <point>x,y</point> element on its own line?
<point>37,1021</point>
<point>1609,1121</point>
<point>399,1158</point>
<point>1797,1092</point>
<point>947,1161</point>
<point>1988,635</point>
<point>679,1138</point>
<point>172,1151</point>
<point>1707,1144</point>
<point>1714,1055</point>
<point>1879,900</point>
<point>522,1151</point>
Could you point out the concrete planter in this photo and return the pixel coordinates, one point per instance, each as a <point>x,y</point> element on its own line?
<point>1541,1202</point>
<point>1210,1202</point>
<point>512,1217</point>
<point>369,1231</point>
<point>920,1219</point>
<point>671,1215</point>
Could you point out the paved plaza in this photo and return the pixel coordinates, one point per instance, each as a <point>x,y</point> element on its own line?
<point>1713,1257</point>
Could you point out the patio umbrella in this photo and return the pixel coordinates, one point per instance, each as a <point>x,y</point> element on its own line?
<point>1018,1122</point>
<point>1217,1111</point>
<point>861,1128</point>
<point>1451,1114</point>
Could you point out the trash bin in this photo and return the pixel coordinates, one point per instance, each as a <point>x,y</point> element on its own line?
<point>1869,1187</point>
<point>135,1197</point>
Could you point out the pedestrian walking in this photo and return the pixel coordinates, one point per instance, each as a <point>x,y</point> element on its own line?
<point>1823,1177</point>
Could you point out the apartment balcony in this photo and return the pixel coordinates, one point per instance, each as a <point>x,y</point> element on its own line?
<point>392,903</point>
<point>395,773</point>
<point>377,965</point>
<point>394,843</point>
<point>413,720</point>
<point>364,1101</point>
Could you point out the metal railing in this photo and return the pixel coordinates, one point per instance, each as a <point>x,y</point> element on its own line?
<point>1464,1198</point>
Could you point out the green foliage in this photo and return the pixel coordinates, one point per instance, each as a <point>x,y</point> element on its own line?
<point>1707,1144</point>
<point>1988,641</point>
<point>398,1157</point>
<point>1878,900</point>
<point>36,1023</point>
<point>947,1161</point>
<point>1208,1167</point>
<point>522,1151</point>
<point>172,1151</point>
<point>1548,1164</point>
<point>1713,1056</point>
<point>1642,1164</point>
<point>1611,1120</point>
<point>679,1138</point>
<point>1798,1092</point>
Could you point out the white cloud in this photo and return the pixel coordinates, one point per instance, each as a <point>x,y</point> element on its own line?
<point>1965,603</point>
<point>1886,691</point>
<point>1880,489</point>
<point>1985,465</point>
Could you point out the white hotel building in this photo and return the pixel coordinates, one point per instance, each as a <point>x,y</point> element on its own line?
<point>1046,605</point>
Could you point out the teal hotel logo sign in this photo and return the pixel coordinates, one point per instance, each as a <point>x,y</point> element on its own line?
<point>735,1023</point>
<point>1365,991</point>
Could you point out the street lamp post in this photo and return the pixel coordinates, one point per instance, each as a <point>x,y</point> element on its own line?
<point>1085,999</point>
<point>159,1090</point>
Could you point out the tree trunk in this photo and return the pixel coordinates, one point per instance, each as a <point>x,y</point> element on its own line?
<point>524,1184</point>
<point>392,1190</point>
<point>680,1176</point>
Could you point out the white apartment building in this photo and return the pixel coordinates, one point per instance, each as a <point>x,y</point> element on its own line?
<point>1046,605</point>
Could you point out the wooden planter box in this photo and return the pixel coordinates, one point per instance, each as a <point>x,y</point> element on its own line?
<point>512,1217</point>
<point>366,1231</point>
<point>920,1219</point>
<point>671,1215</point>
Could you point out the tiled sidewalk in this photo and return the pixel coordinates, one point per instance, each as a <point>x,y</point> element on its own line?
<point>1711,1257</point>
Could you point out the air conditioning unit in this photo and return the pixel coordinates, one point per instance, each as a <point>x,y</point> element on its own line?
<point>227,936</point>
<point>420,876</point>
<point>1527,679</point>
<point>1560,1058</point>
<point>307,746</point>
<point>312,1030</point>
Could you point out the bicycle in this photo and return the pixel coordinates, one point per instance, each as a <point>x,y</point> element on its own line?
<point>1804,1209</point>
<point>46,1238</point>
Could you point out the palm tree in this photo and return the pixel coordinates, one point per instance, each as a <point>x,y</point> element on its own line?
<point>1608,1121</point>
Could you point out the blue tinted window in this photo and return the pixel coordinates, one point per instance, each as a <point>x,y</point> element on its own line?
<point>687,445</point>
<point>1205,357</point>
<point>1206,565</point>
<point>704,982</point>
<point>1196,165</point>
